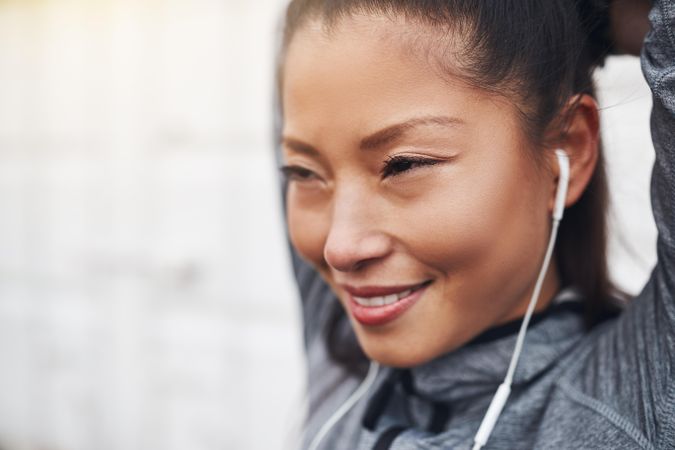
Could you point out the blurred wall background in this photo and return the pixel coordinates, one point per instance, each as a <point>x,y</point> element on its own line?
<point>146,300</point>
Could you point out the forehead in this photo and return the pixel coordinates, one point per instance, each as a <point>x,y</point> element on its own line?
<point>370,47</point>
<point>367,71</point>
<point>377,42</point>
<point>352,63</point>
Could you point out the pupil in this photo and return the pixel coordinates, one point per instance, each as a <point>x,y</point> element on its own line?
<point>402,166</point>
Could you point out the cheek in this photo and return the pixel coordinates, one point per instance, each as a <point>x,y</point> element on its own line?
<point>474,215</point>
<point>450,235</point>
<point>307,228</point>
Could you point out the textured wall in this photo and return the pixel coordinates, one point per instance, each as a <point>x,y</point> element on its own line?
<point>145,297</point>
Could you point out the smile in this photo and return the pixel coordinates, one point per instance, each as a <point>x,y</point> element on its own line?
<point>385,299</point>
<point>379,309</point>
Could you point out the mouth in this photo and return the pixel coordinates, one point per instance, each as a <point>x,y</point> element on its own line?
<point>377,306</point>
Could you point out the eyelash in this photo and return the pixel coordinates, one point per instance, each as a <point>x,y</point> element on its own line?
<point>390,168</point>
<point>291,173</point>
<point>411,162</point>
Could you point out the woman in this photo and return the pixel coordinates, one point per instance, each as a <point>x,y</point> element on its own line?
<point>423,147</point>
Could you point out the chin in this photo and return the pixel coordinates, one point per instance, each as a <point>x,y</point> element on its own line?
<point>401,356</point>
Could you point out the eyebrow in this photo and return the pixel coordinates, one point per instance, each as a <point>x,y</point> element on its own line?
<point>395,132</point>
<point>299,146</point>
<point>385,136</point>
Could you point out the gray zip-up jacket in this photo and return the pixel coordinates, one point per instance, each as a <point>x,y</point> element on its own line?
<point>612,387</point>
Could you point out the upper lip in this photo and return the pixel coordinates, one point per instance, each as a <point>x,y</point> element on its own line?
<point>378,291</point>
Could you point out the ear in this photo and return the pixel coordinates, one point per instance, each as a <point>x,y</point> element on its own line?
<point>581,142</point>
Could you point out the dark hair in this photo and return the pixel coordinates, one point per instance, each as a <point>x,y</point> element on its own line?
<point>542,53</point>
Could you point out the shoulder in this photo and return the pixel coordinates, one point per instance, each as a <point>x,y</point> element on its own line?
<point>600,398</point>
<point>574,419</point>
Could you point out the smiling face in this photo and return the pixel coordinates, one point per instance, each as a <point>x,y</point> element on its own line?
<point>414,195</point>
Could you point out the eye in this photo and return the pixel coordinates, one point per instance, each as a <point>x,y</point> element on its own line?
<point>395,165</point>
<point>297,173</point>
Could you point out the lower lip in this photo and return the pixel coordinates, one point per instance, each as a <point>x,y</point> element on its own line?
<point>380,315</point>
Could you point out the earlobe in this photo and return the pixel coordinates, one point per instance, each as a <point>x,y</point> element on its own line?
<point>581,142</point>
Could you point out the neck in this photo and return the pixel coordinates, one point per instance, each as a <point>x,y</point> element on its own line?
<point>549,289</point>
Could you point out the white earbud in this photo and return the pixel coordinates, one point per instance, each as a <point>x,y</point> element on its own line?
<point>563,182</point>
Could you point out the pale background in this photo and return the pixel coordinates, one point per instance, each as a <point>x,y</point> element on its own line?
<point>146,300</point>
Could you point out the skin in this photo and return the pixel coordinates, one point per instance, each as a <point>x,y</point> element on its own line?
<point>629,23</point>
<point>475,222</point>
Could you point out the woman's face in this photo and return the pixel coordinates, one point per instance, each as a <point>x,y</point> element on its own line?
<point>414,195</point>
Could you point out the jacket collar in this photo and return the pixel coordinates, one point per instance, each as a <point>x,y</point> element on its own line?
<point>481,365</point>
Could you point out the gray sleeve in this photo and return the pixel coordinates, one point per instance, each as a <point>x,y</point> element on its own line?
<point>658,333</point>
<point>656,337</point>
<point>316,297</point>
<point>631,370</point>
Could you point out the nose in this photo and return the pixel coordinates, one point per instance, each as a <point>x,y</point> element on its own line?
<point>355,238</point>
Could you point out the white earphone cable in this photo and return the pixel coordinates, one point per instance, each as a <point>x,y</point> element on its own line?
<point>502,394</point>
<point>347,405</point>
<point>504,389</point>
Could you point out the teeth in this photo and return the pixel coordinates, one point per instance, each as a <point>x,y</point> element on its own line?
<point>382,300</point>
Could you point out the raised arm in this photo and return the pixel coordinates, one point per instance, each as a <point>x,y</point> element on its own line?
<point>628,25</point>
<point>658,66</point>
<point>632,366</point>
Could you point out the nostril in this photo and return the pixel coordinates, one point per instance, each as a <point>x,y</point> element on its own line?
<point>341,257</point>
<point>347,254</point>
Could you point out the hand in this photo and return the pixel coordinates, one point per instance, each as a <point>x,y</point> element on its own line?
<point>629,24</point>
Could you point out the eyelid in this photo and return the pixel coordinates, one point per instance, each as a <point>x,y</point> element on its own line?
<point>415,160</point>
<point>293,172</point>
